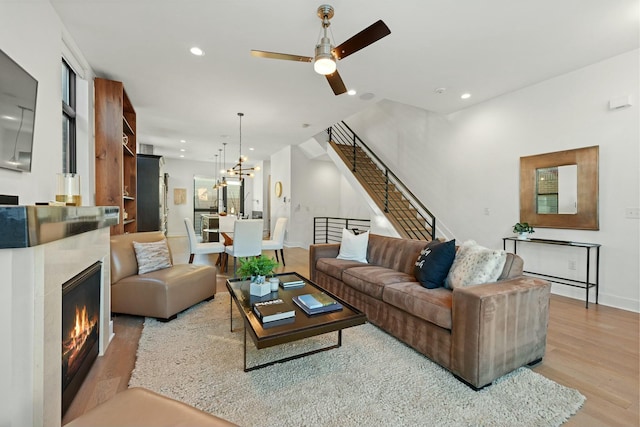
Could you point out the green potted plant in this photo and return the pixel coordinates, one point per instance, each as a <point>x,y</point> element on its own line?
<point>523,229</point>
<point>256,268</point>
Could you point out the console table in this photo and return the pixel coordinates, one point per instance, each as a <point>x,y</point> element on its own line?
<point>586,283</point>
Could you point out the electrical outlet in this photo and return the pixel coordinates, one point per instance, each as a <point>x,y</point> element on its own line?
<point>572,264</point>
<point>633,213</point>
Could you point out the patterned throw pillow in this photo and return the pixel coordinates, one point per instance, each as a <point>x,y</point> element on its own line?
<point>434,263</point>
<point>152,256</point>
<point>474,265</point>
<point>354,247</point>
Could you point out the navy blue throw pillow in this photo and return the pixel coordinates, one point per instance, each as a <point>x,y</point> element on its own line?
<point>434,263</point>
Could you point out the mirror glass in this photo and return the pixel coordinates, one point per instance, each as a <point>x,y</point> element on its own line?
<point>560,189</point>
<point>557,190</point>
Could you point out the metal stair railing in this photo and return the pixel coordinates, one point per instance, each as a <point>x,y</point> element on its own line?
<point>395,199</point>
<point>329,229</point>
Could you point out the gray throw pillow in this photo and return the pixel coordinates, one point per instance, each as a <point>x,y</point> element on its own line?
<point>152,256</point>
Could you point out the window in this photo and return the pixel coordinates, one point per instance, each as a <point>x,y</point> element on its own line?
<point>68,119</point>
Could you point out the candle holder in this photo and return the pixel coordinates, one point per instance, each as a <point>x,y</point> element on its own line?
<point>69,189</point>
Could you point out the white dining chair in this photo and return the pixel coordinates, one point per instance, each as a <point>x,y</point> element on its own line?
<point>277,239</point>
<point>197,247</point>
<point>247,240</point>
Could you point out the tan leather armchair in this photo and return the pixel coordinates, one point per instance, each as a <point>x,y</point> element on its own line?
<point>161,293</point>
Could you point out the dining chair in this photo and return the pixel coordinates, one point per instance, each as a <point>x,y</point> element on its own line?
<point>247,240</point>
<point>277,239</point>
<point>197,247</point>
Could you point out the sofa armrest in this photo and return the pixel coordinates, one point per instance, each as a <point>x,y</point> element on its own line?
<point>498,327</point>
<point>322,250</point>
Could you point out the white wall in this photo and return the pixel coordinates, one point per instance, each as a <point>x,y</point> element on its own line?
<point>281,171</point>
<point>32,35</point>
<point>465,163</point>
<point>315,193</point>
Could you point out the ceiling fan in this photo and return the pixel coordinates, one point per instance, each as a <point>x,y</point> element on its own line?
<point>326,55</point>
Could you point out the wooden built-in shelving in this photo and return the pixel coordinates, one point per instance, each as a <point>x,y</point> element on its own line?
<point>115,143</point>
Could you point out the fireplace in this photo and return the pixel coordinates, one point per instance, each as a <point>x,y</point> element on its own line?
<point>80,329</point>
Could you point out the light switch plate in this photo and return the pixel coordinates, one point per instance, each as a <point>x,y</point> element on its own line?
<point>633,213</point>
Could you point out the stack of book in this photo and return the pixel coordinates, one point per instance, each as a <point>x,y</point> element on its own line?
<point>291,281</point>
<point>316,303</point>
<point>274,312</point>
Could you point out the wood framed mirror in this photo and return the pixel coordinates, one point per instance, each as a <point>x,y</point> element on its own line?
<point>560,189</point>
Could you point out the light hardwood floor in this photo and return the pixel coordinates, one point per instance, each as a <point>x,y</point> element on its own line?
<point>594,351</point>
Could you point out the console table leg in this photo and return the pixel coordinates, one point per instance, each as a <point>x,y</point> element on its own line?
<point>586,280</point>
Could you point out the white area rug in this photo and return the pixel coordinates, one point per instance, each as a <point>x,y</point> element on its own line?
<point>372,380</point>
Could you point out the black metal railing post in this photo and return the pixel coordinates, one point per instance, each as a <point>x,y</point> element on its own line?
<point>354,152</point>
<point>386,190</point>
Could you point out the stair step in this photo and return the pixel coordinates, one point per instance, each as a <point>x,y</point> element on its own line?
<point>398,208</point>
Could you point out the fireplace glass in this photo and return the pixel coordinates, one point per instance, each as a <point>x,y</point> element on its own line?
<point>80,329</point>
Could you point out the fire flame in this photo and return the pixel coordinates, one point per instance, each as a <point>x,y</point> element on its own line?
<point>78,334</point>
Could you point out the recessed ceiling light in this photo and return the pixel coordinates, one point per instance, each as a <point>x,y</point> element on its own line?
<point>465,96</point>
<point>9,118</point>
<point>440,90</point>
<point>367,96</point>
<point>351,92</point>
<point>182,155</point>
<point>196,51</point>
<point>251,149</point>
<point>183,141</point>
<point>183,150</point>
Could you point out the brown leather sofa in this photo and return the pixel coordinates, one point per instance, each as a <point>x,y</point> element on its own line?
<point>479,333</point>
<point>161,293</point>
<point>139,407</point>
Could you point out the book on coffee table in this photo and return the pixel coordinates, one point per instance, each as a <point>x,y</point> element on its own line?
<point>317,303</point>
<point>270,311</point>
<point>291,281</point>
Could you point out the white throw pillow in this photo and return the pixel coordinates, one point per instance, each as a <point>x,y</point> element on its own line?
<point>354,248</point>
<point>474,265</point>
<point>152,256</point>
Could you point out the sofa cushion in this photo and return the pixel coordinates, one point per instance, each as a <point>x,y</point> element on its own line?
<point>152,256</point>
<point>354,247</point>
<point>432,305</point>
<point>334,267</point>
<point>474,265</point>
<point>434,263</point>
<point>513,267</point>
<point>394,253</point>
<point>372,279</point>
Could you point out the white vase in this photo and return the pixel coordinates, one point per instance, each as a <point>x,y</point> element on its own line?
<point>523,235</point>
<point>259,289</point>
<point>274,281</point>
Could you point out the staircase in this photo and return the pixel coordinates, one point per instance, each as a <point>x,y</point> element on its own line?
<point>410,218</point>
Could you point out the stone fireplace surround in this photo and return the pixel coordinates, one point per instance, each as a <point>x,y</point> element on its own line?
<point>43,247</point>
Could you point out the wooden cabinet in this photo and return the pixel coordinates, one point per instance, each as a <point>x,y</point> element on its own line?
<point>115,150</point>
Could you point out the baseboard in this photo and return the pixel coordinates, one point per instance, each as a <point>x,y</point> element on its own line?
<point>609,300</point>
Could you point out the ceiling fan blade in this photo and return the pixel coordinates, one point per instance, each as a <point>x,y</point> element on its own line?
<point>286,56</point>
<point>336,83</point>
<point>364,38</point>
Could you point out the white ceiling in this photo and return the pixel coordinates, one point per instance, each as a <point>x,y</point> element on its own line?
<point>486,48</point>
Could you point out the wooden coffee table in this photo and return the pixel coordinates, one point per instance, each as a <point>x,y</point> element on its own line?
<point>304,326</point>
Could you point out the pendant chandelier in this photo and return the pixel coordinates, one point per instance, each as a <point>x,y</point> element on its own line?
<point>223,183</point>
<point>217,183</point>
<point>237,169</point>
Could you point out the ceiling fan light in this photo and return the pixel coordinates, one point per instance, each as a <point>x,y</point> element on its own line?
<point>324,62</point>
<point>324,66</point>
